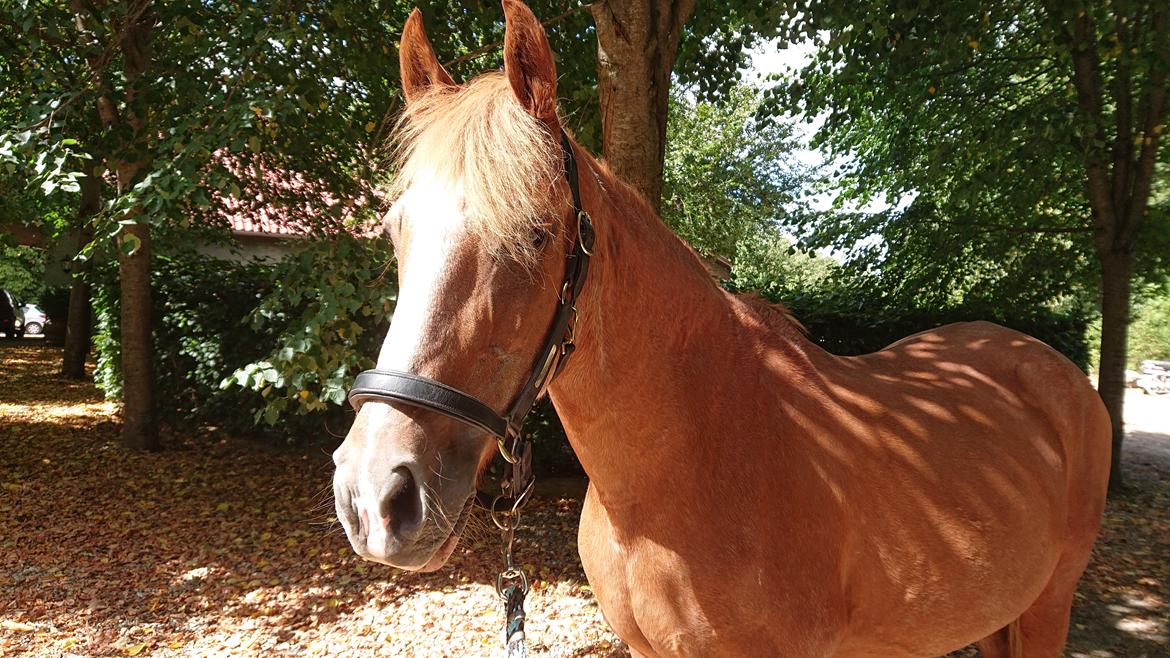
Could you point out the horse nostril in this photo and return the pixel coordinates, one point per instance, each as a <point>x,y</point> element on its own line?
<point>348,511</point>
<point>401,505</point>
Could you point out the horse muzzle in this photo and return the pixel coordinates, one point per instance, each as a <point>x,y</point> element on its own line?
<point>389,518</point>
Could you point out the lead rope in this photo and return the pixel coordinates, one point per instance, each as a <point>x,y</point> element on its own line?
<point>512,588</point>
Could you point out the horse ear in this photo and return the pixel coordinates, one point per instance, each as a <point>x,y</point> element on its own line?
<point>528,62</point>
<point>419,68</point>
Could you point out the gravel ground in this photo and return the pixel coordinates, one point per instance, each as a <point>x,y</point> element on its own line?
<point>217,547</point>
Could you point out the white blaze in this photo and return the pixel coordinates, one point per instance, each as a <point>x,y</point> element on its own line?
<point>436,228</point>
<point>431,214</point>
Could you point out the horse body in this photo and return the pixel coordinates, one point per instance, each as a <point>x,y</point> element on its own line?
<point>750,494</point>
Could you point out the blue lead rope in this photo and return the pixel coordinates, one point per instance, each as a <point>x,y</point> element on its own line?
<point>514,622</point>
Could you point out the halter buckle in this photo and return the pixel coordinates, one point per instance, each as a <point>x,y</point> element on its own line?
<point>507,444</point>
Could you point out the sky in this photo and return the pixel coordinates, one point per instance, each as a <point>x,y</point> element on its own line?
<point>770,58</point>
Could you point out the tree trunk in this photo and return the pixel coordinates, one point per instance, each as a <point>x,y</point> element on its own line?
<point>139,426</point>
<point>78,327</point>
<point>1116,270</point>
<point>139,418</point>
<point>637,42</point>
<point>1118,187</point>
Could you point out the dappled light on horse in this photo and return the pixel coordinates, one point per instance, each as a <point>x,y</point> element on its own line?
<point>750,494</point>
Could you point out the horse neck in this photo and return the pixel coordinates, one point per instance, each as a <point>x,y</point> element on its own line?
<point>657,339</point>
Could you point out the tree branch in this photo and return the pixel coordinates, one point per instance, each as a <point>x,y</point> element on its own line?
<point>53,41</point>
<point>1123,114</point>
<point>1087,80</point>
<point>1153,119</point>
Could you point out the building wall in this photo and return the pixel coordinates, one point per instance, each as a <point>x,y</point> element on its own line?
<point>268,248</point>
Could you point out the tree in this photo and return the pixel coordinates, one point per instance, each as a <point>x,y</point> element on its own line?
<point>637,43</point>
<point>746,168</point>
<point>1005,121</point>
<point>616,72</point>
<point>128,32</point>
<point>79,319</point>
<point>185,104</point>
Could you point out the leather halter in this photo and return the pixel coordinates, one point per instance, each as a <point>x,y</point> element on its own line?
<point>416,390</point>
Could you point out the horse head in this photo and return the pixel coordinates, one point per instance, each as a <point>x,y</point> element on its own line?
<point>483,220</point>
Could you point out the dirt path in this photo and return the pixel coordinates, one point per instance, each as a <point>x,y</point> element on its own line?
<point>216,547</point>
<point>1123,606</point>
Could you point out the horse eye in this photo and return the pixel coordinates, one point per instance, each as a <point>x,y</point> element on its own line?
<point>539,238</point>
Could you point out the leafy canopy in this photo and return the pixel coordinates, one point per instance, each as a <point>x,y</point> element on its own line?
<point>962,117</point>
<point>729,174</point>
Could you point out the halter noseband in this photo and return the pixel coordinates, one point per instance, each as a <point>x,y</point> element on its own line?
<point>416,390</point>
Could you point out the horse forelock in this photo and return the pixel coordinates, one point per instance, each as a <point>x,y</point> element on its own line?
<point>479,140</point>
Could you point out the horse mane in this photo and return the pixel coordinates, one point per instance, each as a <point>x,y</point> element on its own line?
<point>478,140</point>
<point>774,315</point>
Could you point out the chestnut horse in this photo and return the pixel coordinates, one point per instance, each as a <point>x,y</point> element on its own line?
<point>750,494</point>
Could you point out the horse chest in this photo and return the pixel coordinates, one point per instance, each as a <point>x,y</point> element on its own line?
<point>641,592</point>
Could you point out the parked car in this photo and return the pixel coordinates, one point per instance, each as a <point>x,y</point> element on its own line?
<point>1155,377</point>
<point>11,315</point>
<point>35,320</point>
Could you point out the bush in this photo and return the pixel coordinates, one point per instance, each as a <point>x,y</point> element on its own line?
<point>1149,334</point>
<point>844,323</point>
<point>22,272</point>
<point>298,330</point>
<point>199,307</point>
<point>325,314</point>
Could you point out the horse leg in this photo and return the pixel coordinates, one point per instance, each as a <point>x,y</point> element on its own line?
<point>1004,643</point>
<point>1042,630</point>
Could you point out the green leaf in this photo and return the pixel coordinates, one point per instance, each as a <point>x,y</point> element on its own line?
<point>129,244</point>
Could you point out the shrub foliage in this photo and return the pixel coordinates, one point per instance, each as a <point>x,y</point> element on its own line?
<point>244,343</point>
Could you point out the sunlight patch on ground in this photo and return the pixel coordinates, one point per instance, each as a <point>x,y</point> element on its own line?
<point>1147,413</point>
<point>60,411</point>
<point>1139,616</point>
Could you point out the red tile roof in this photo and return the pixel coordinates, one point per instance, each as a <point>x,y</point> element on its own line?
<point>284,204</point>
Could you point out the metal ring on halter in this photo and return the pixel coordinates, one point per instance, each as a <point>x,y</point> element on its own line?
<point>511,435</point>
<point>513,513</point>
<point>505,452</point>
<point>510,574</point>
<point>492,514</point>
<point>584,247</point>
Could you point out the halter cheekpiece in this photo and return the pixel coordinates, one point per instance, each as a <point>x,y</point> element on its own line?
<point>416,390</point>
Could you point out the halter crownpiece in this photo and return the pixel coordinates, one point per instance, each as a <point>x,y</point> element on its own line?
<point>424,392</point>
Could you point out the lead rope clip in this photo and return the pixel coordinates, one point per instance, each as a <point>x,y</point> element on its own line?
<point>514,646</point>
<point>512,587</point>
